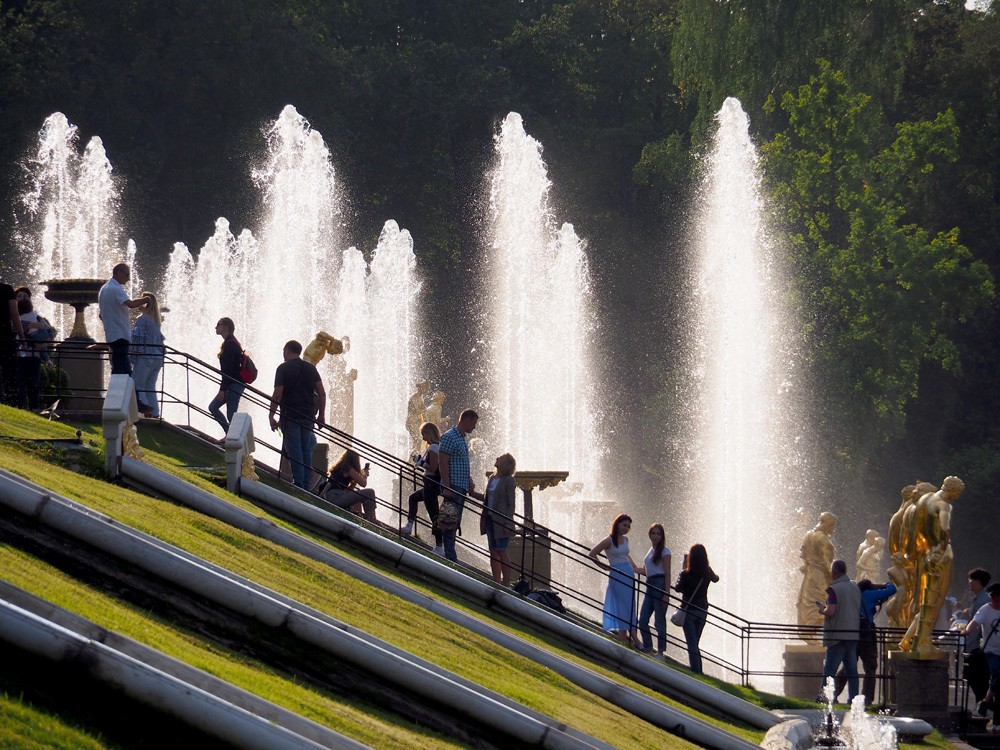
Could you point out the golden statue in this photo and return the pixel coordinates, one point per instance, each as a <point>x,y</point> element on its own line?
<point>320,346</point>
<point>928,541</point>
<point>433,412</point>
<point>817,557</point>
<point>415,413</point>
<point>899,609</point>
<point>868,561</point>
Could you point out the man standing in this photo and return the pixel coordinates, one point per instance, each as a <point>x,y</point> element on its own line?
<point>872,597</point>
<point>114,305</point>
<point>11,336</point>
<point>299,391</point>
<point>987,623</point>
<point>841,626</point>
<point>456,474</point>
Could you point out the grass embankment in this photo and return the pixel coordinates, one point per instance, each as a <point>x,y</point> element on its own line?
<point>403,624</point>
<point>395,621</point>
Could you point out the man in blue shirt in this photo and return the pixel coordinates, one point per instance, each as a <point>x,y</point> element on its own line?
<point>872,597</point>
<point>456,472</point>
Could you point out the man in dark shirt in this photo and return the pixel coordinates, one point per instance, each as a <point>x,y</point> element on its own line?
<point>11,334</point>
<point>299,391</point>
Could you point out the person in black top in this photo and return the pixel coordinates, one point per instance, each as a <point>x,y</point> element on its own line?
<point>299,391</point>
<point>231,386</point>
<point>692,584</point>
<point>11,336</point>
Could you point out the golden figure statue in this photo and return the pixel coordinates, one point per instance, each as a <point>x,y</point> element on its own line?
<point>899,609</point>
<point>415,413</point>
<point>130,443</point>
<point>928,547</point>
<point>320,346</point>
<point>433,412</point>
<point>868,562</point>
<point>817,557</point>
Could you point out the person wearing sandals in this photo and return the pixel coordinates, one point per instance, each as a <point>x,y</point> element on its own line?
<point>692,584</point>
<point>428,461</point>
<point>619,609</point>
<point>496,521</point>
<point>656,568</point>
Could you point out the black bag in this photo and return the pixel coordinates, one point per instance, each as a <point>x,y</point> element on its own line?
<point>547,598</point>
<point>447,519</point>
<point>977,672</point>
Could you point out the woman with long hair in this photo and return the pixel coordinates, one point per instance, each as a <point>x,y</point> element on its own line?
<point>656,568</point>
<point>497,521</point>
<point>231,386</point>
<point>346,476</point>
<point>146,352</point>
<point>619,611</point>
<point>428,461</point>
<point>692,584</point>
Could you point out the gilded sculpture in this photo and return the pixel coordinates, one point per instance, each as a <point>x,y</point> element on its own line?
<point>320,346</point>
<point>415,409</point>
<point>868,561</point>
<point>901,571</point>
<point>927,539</point>
<point>817,556</point>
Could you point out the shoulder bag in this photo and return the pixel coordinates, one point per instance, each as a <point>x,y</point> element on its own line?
<point>677,618</point>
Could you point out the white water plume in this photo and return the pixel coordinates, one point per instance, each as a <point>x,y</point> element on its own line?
<point>541,403</point>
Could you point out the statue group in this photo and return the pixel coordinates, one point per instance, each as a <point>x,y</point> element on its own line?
<point>921,563</point>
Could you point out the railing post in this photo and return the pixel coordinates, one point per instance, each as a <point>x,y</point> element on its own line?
<point>118,415</point>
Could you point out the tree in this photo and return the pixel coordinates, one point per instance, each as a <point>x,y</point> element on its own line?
<point>882,294</point>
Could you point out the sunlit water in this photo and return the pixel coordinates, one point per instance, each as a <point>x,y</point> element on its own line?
<point>292,278</point>
<point>71,227</point>
<point>540,324</point>
<point>746,468</point>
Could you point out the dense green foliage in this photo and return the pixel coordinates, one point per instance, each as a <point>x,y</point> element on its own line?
<point>893,216</point>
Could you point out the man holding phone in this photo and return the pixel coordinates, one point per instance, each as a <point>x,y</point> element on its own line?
<point>299,391</point>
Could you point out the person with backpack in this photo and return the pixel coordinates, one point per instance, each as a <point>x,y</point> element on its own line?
<point>987,622</point>
<point>873,596</point>
<point>231,385</point>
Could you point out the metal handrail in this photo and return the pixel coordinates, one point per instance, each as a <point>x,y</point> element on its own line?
<point>408,478</point>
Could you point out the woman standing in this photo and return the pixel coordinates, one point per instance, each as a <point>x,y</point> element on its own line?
<point>497,521</point>
<point>147,353</point>
<point>619,611</point>
<point>693,584</point>
<point>428,461</point>
<point>346,475</point>
<point>656,568</point>
<point>231,386</point>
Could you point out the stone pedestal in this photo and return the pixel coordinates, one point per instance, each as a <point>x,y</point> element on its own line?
<point>84,370</point>
<point>921,688</point>
<point>321,463</point>
<point>803,668</point>
<point>532,549</point>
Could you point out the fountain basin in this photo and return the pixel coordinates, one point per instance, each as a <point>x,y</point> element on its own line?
<point>77,293</point>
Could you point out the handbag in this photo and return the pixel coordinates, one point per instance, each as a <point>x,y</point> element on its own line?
<point>447,519</point>
<point>677,618</point>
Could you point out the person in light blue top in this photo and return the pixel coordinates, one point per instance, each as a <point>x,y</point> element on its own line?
<point>456,472</point>
<point>619,602</point>
<point>656,568</point>
<point>146,353</point>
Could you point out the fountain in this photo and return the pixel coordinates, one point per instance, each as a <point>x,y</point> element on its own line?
<point>291,280</point>
<point>746,455</point>
<point>71,229</point>
<point>540,322</point>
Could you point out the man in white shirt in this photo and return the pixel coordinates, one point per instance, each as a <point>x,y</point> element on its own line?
<point>987,622</point>
<point>114,305</point>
